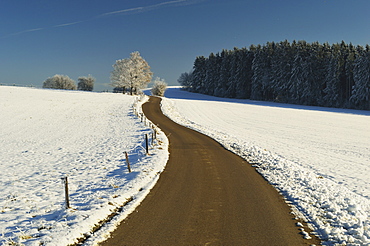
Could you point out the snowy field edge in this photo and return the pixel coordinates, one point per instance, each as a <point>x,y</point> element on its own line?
<point>50,134</point>
<point>336,214</point>
<point>107,228</point>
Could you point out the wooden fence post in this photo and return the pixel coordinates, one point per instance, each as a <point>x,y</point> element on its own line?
<point>128,163</point>
<point>65,179</point>
<point>146,144</point>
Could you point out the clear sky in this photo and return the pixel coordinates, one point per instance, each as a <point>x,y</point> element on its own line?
<point>40,38</point>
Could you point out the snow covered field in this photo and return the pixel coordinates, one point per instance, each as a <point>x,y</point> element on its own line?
<point>319,158</point>
<point>46,135</point>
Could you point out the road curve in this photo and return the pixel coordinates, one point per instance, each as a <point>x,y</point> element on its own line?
<point>207,196</point>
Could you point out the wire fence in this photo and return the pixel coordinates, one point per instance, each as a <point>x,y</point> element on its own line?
<point>149,138</point>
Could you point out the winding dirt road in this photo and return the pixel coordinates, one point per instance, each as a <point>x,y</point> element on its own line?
<point>207,196</point>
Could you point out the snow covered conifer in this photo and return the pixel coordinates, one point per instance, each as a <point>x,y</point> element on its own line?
<point>260,76</point>
<point>86,83</point>
<point>211,73</point>
<point>224,74</point>
<point>243,74</point>
<point>331,80</point>
<point>159,87</point>
<point>198,75</point>
<point>60,82</point>
<point>133,73</point>
<point>361,90</point>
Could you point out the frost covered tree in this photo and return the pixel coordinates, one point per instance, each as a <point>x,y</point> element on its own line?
<point>120,75</point>
<point>159,87</point>
<point>86,83</point>
<point>132,73</point>
<point>185,80</point>
<point>60,82</point>
<point>140,73</point>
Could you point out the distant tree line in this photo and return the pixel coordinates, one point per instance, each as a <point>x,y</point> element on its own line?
<point>66,83</point>
<point>336,75</point>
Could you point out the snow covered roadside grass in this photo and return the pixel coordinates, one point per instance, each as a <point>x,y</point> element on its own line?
<point>318,158</point>
<point>49,134</point>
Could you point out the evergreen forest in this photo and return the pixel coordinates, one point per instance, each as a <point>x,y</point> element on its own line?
<point>336,75</point>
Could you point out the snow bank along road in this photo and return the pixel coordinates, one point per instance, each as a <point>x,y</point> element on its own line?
<point>318,158</point>
<point>207,195</point>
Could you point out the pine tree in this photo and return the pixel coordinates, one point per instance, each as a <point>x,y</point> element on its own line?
<point>281,71</point>
<point>211,74</point>
<point>315,75</point>
<point>243,75</point>
<point>331,80</point>
<point>349,66</point>
<point>224,74</point>
<point>259,73</point>
<point>300,72</point>
<point>267,88</point>
<point>233,60</point>
<point>261,88</point>
<point>361,90</point>
<point>199,74</point>
<point>344,90</point>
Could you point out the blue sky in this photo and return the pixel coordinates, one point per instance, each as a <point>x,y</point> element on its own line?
<point>40,38</point>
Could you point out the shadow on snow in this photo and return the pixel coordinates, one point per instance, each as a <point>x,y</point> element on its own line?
<point>178,93</point>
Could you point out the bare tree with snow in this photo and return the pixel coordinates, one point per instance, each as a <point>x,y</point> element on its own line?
<point>60,82</point>
<point>86,83</point>
<point>132,73</point>
<point>120,75</point>
<point>159,87</point>
<point>185,80</point>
